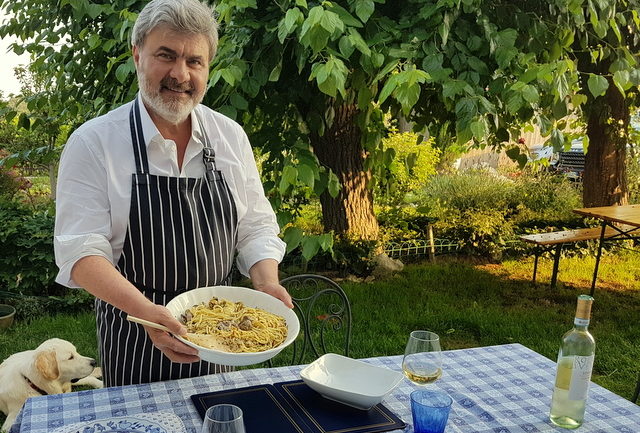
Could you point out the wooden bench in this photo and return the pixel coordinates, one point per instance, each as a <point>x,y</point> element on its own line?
<point>550,240</point>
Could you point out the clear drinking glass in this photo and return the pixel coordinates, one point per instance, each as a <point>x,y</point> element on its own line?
<point>422,362</point>
<point>223,418</point>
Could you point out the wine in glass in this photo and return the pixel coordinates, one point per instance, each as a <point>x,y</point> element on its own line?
<point>422,362</point>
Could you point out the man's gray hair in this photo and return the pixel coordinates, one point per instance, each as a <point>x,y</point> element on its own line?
<point>183,16</point>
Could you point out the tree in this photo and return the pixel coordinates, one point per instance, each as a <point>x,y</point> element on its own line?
<point>311,81</point>
<point>601,41</point>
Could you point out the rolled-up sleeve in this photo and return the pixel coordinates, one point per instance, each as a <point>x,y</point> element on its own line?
<point>83,223</point>
<point>258,228</point>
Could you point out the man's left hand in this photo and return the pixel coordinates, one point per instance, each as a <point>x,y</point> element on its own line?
<point>277,291</point>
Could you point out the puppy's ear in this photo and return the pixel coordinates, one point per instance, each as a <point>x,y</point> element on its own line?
<point>47,364</point>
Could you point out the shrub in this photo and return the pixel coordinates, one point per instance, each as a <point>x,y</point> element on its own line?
<point>27,262</point>
<point>484,211</point>
<point>410,167</point>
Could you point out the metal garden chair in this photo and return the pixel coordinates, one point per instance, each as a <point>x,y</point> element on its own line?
<point>325,319</point>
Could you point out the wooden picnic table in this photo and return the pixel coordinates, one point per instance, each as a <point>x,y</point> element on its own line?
<point>625,220</point>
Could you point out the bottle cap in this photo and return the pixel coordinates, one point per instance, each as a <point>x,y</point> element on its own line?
<point>583,311</point>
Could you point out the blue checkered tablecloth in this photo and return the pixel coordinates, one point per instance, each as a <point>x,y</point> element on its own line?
<point>496,389</point>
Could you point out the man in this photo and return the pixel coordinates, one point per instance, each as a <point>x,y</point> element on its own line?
<point>156,198</point>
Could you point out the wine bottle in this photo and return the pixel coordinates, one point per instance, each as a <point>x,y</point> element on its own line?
<point>575,363</point>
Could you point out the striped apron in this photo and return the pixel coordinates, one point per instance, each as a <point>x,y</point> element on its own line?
<point>181,235</point>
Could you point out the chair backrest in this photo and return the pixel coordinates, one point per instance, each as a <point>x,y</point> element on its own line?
<point>325,318</point>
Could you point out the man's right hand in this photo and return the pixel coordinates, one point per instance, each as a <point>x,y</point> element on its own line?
<point>100,278</point>
<point>173,348</point>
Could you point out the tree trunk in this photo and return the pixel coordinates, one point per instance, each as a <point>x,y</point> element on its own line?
<point>605,175</point>
<point>350,214</point>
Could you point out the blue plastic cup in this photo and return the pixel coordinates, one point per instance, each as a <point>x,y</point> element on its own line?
<point>430,410</point>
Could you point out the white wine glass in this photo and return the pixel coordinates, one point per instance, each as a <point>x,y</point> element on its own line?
<point>223,418</point>
<point>422,362</point>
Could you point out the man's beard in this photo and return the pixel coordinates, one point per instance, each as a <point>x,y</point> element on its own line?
<point>173,110</point>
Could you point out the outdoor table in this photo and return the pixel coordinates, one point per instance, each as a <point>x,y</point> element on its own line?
<point>496,389</point>
<point>623,219</point>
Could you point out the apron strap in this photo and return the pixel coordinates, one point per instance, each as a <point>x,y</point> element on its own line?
<point>137,136</point>
<point>208,154</point>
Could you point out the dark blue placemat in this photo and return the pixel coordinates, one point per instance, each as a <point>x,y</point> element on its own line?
<point>264,411</point>
<point>293,407</point>
<point>328,416</point>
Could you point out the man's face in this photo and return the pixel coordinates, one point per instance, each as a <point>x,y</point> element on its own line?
<point>173,69</point>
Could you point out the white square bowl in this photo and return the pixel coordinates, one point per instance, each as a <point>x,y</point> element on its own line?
<point>349,381</point>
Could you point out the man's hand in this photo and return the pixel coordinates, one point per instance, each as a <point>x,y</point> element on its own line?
<point>277,291</point>
<point>264,276</point>
<point>173,348</point>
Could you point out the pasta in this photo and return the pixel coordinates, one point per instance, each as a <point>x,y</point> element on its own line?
<point>237,328</point>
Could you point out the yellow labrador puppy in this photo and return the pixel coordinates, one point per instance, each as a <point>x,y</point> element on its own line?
<point>49,369</point>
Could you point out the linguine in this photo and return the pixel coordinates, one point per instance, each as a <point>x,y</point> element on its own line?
<point>236,328</point>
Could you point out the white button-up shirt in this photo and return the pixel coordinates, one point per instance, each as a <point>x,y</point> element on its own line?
<point>94,186</point>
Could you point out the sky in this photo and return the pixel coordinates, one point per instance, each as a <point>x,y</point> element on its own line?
<point>8,82</point>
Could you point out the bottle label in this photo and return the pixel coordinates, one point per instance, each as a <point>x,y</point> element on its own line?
<point>580,377</point>
<point>580,322</point>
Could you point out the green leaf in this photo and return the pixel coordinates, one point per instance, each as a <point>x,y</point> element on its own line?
<point>388,88</point>
<point>344,15</point>
<point>289,176</point>
<point>310,247</point>
<point>346,47</point>
<point>93,10</point>
<point>616,30</point>
<point>407,93</point>
<point>306,175</point>
<point>529,75</point>
<point>318,38</point>
<point>228,111</point>
<point>557,139</point>
<point>513,153</point>
<point>302,3</point>
<point>94,40</point>
<point>560,109</point>
<point>275,72</point>
<point>364,97</point>
<point>502,134</point>
<point>238,101</point>
<point>292,236</point>
<point>452,88</point>
<point>333,185</point>
<point>621,80</point>
<point>24,122</point>
<point>478,65</point>
<point>561,86</point>
<point>326,241</point>
<point>359,43</point>
<point>444,28</point>
<point>479,129</point>
<point>597,85</point>
<point>514,102</point>
<point>530,94</point>
<point>377,59</point>
<point>289,23</point>
<point>634,77</point>
<point>121,72</point>
<point>364,9</point>
<point>330,21</point>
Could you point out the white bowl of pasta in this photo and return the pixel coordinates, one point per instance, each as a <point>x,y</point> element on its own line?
<point>234,325</point>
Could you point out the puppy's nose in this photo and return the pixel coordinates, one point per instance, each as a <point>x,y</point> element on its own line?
<point>93,363</point>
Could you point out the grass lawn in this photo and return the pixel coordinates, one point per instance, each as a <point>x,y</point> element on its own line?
<point>469,304</point>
